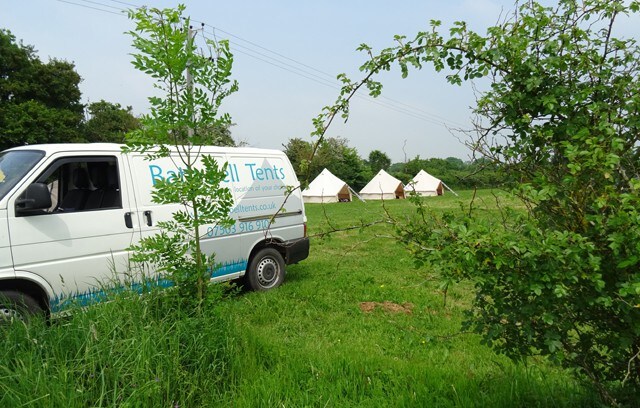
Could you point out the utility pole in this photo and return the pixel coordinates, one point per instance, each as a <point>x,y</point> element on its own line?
<point>190,35</point>
<point>403,151</point>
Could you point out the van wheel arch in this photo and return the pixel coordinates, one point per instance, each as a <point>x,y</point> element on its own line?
<point>276,244</point>
<point>29,289</point>
<point>266,267</point>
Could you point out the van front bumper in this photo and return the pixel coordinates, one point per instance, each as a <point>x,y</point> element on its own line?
<point>296,250</point>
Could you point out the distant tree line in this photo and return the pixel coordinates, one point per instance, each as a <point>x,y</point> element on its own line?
<point>40,102</point>
<point>333,154</point>
<point>343,161</point>
<point>454,172</point>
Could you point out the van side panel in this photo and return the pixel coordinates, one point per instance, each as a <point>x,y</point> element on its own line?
<point>258,183</point>
<point>215,239</point>
<point>268,202</point>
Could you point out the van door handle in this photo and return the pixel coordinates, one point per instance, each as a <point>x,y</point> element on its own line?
<point>147,215</point>
<point>128,221</point>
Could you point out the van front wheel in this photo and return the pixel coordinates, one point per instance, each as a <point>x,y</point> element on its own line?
<point>16,305</point>
<point>266,270</point>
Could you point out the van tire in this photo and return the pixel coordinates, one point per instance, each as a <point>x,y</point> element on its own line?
<point>16,305</point>
<point>266,270</point>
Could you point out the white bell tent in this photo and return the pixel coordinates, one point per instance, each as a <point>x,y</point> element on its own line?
<point>425,184</point>
<point>326,188</point>
<point>383,187</point>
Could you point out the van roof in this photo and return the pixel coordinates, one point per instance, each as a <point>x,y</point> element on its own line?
<point>114,147</point>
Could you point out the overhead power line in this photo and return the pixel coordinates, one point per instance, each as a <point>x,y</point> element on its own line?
<point>102,4</point>
<point>312,77</point>
<point>434,117</point>
<point>271,52</point>
<point>125,3</point>
<point>90,7</point>
<point>265,55</point>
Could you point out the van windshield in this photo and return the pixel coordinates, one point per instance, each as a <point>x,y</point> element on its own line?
<point>14,165</point>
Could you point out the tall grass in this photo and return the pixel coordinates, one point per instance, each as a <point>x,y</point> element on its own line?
<point>132,351</point>
<point>314,342</point>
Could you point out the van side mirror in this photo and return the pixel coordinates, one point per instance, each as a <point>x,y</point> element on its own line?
<point>36,197</point>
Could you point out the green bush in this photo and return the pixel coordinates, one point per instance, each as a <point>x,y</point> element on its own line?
<point>560,116</point>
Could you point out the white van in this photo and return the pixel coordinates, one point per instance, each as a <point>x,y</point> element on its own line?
<point>68,213</point>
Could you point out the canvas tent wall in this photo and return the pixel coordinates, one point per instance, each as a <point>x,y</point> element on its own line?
<point>383,187</point>
<point>326,188</point>
<point>425,184</point>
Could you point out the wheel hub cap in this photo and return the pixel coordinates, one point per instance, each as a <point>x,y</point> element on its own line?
<point>268,272</point>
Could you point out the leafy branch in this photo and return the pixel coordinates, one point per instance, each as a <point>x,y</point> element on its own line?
<point>193,85</point>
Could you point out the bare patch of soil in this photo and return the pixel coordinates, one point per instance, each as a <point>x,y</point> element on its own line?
<point>387,306</point>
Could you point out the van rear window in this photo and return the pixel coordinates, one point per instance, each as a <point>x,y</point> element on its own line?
<point>14,165</point>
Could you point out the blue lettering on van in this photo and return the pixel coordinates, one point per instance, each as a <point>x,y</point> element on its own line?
<point>158,173</point>
<point>265,173</point>
<point>231,171</point>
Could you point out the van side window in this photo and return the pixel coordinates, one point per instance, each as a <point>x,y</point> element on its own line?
<point>82,184</point>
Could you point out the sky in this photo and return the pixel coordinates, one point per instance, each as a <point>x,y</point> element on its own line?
<point>287,54</point>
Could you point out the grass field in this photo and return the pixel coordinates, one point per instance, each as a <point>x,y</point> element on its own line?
<point>354,325</point>
<point>313,345</point>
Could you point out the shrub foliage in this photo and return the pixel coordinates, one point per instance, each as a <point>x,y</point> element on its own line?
<point>561,117</point>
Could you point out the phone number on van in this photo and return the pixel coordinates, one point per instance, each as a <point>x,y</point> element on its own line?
<point>249,226</point>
